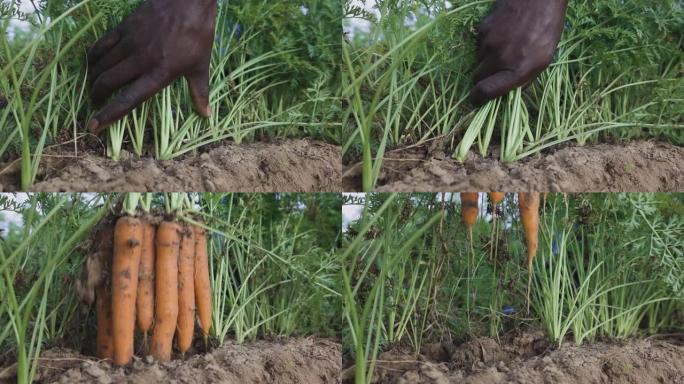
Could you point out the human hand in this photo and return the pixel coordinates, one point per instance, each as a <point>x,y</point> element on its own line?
<point>517,42</point>
<point>158,43</point>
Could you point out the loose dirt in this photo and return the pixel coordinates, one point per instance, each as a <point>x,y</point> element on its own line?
<point>279,166</point>
<point>635,166</point>
<point>293,361</point>
<point>528,359</point>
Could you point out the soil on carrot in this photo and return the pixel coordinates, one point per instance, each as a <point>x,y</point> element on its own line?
<point>305,360</point>
<point>528,359</point>
<point>283,165</point>
<point>638,166</point>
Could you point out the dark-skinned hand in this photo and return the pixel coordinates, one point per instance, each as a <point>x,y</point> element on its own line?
<point>160,42</point>
<point>517,43</point>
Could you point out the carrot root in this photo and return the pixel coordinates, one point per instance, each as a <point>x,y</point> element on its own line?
<point>186,290</point>
<point>166,290</point>
<point>202,283</point>
<point>127,246</point>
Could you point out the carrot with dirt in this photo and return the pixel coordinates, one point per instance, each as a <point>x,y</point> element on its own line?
<point>186,290</point>
<point>145,302</point>
<point>528,204</point>
<point>202,283</point>
<point>104,340</point>
<point>166,290</point>
<point>128,235</point>
<point>96,284</point>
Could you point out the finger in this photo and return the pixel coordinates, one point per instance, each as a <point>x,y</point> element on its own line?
<point>198,82</point>
<point>110,59</point>
<point>113,79</point>
<point>102,46</point>
<point>141,90</point>
<point>486,68</point>
<point>494,86</point>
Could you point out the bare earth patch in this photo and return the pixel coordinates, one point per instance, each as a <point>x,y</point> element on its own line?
<point>526,360</point>
<point>279,166</point>
<point>292,361</point>
<point>636,166</point>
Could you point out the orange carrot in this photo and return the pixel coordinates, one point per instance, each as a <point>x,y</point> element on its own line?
<point>128,235</point>
<point>202,283</point>
<point>105,342</point>
<point>166,290</point>
<point>145,302</point>
<point>186,290</point>
<point>528,204</point>
<point>496,198</point>
<point>469,209</point>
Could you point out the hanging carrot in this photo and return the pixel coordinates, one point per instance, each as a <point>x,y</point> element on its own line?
<point>469,209</point>
<point>186,290</point>
<point>145,301</point>
<point>166,290</point>
<point>128,234</point>
<point>495,198</point>
<point>528,204</point>
<point>202,283</point>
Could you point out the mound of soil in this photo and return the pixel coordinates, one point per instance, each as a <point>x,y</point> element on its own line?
<point>528,359</point>
<point>292,361</point>
<point>635,166</point>
<point>279,166</point>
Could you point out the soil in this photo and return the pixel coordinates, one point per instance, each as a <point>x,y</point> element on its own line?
<point>528,359</point>
<point>295,361</point>
<point>635,166</point>
<point>279,166</point>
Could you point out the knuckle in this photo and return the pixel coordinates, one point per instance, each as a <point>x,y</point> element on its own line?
<point>105,81</point>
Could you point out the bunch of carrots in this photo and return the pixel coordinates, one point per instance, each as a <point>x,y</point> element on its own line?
<point>159,281</point>
<point>528,206</point>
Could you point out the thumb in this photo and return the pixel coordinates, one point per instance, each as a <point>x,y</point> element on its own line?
<point>198,82</point>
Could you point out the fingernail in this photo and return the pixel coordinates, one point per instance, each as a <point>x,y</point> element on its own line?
<point>93,125</point>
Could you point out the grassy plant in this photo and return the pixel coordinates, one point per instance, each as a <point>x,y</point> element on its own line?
<point>590,286</point>
<point>18,70</point>
<point>266,253</point>
<point>31,317</point>
<point>380,317</point>
<point>408,262</point>
<point>254,91</point>
<point>408,78</point>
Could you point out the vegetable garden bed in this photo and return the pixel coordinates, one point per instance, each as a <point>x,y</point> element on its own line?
<point>639,166</point>
<point>273,78</point>
<point>409,68</point>
<point>286,361</point>
<point>529,359</point>
<point>562,288</point>
<point>210,287</point>
<point>295,165</point>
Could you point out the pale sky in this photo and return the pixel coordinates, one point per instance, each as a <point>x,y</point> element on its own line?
<point>8,218</point>
<point>351,213</point>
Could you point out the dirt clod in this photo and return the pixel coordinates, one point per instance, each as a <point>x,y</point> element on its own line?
<point>293,361</point>
<point>637,166</point>
<point>279,166</point>
<point>524,359</point>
